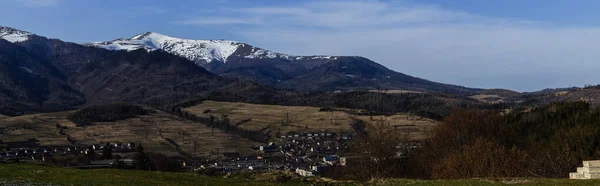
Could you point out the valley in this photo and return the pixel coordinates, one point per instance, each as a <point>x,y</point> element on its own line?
<point>169,134</point>
<point>224,107</point>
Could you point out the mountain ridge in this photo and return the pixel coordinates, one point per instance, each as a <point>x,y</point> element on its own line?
<point>39,74</point>
<point>240,60</point>
<point>63,74</point>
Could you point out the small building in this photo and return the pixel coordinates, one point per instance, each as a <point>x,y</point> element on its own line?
<point>304,173</point>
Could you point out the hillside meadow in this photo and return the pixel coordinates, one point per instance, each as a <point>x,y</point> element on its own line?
<point>283,119</point>
<point>158,132</point>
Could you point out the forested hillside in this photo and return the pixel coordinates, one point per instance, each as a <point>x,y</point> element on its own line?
<point>549,141</point>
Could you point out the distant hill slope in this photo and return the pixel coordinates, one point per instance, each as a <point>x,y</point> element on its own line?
<point>28,83</point>
<point>156,130</point>
<point>590,95</point>
<point>500,92</point>
<point>358,73</point>
<point>305,73</point>
<point>275,119</point>
<point>496,95</point>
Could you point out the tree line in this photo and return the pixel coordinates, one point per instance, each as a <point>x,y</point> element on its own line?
<point>430,105</point>
<point>221,122</point>
<point>106,113</point>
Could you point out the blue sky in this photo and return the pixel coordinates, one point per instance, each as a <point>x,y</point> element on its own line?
<point>513,44</point>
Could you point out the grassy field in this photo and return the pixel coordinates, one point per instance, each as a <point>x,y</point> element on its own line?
<point>151,130</point>
<point>39,174</point>
<point>22,173</point>
<point>304,118</point>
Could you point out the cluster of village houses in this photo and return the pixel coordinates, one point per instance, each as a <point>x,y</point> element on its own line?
<point>40,153</point>
<point>307,154</point>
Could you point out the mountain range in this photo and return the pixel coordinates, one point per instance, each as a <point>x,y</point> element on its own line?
<point>305,73</point>
<point>39,74</point>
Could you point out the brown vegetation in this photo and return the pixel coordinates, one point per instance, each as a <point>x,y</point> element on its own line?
<point>485,158</point>
<point>546,142</point>
<point>549,141</point>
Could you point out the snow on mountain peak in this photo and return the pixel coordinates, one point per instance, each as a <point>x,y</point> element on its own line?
<point>142,35</point>
<point>13,35</point>
<point>200,51</point>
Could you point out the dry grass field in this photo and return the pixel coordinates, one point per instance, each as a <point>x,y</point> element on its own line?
<point>3,116</point>
<point>301,118</point>
<point>151,130</point>
<point>487,98</point>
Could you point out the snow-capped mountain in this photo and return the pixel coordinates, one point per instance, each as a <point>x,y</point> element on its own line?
<point>225,58</point>
<point>38,74</point>
<point>13,35</point>
<point>314,73</point>
<point>200,51</point>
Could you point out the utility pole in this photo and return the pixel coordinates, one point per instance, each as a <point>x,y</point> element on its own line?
<point>331,119</point>
<point>237,139</point>
<point>195,148</point>
<point>147,131</point>
<point>218,154</point>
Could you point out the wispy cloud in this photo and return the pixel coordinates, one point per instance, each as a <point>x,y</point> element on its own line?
<point>346,14</point>
<point>221,21</point>
<point>38,3</point>
<point>427,41</point>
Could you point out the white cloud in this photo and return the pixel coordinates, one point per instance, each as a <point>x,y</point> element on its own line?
<point>428,41</point>
<point>38,3</point>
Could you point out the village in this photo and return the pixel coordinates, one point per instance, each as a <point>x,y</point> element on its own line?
<point>306,153</point>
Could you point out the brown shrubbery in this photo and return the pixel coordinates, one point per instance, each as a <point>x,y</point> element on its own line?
<point>485,158</point>
<point>546,142</point>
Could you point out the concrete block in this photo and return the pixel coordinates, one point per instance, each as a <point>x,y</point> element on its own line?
<point>593,163</point>
<point>593,170</point>
<point>576,175</point>
<point>580,170</point>
<point>591,176</point>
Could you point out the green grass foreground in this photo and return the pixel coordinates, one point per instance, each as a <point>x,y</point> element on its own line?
<point>41,175</point>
